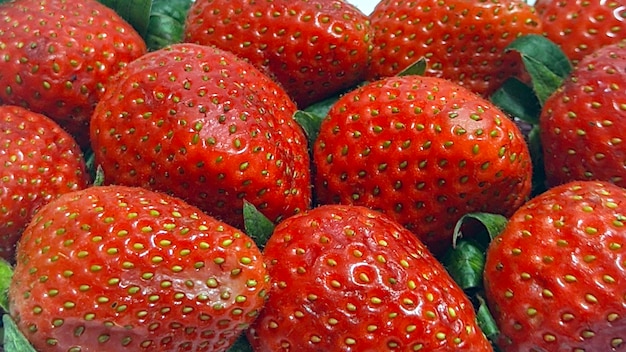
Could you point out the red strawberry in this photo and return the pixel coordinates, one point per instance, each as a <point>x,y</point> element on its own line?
<point>462,40</point>
<point>581,124</point>
<point>425,151</point>
<point>115,268</point>
<point>201,124</point>
<point>555,278</point>
<point>58,56</point>
<point>313,48</point>
<point>346,278</point>
<point>40,162</point>
<point>580,27</point>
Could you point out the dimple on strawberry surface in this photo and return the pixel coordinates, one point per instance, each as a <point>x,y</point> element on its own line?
<point>201,124</point>
<point>313,48</point>
<point>114,268</point>
<point>581,123</point>
<point>423,150</point>
<point>347,278</point>
<point>580,27</point>
<point>59,55</point>
<point>40,162</point>
<point>462,40</point>
<point>555,278</point>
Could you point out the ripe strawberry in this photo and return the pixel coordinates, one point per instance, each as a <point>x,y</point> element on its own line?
<point>346,278</point>
<point>40,162</point>
<point>461,40</point>
<point>580,27</point>
<point>425,151</point>
<point>555,278</point>
<point>58,56</point>
<point>115,268</point>
<point>201,124</point>
<point>581,123</point>
<point>313,48</point>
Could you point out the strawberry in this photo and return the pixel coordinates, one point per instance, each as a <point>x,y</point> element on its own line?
<point>555,278</point>
<point>313,48</point>
<point>40,162</point>
<point>461,40</point>
<point>121,268</point>
<point>580,27</point>
<point>581,123</point>
<point>58,57</point>
<point>201,124</point>
<point>346,278</point>
<point>425,151</point>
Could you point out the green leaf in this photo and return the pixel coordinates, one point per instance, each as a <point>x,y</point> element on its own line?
<point>167,23</point>
<point>14,340</point>
<point>518,100</point>
<point>257,225</point>
<point>310,122</point>
<point>544,60</point>
<point>241,345</point>
<point>466,262</point>
<point>135,12</point>
<point>486,321</point>
<point>493,224</point>
<point>6,274</point>
<point>536,154</point>
<point>417,68</point>
<point>322,107</point>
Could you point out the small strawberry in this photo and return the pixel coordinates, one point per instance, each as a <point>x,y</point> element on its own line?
<point>58,56</point>
<point>346,278</point>
<point>425,151</point>
<point>461,40</point>
<point>313,48</point>
<point>206,126</point>
<point>581,123</point>
<point>580,27</point>
<point>40,161</point>
<point>114,268</point>
<point>555,278</point>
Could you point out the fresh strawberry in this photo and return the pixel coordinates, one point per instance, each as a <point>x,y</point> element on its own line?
<point>555,278</point>
<point>206,126</point>
<point>581,124</point>
<point>425,151</point>
<point>114,268</point>
<point>58,56</point>
<point>462,40</point>
<point>40,162</point>
<point>580,27</point>
<point>347,278</point>
<point>313,48</point>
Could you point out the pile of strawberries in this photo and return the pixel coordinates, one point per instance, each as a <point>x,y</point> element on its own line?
<point>298,175</point>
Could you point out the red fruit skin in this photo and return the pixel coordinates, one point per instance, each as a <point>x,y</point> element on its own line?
<point>114,268</point>
<point>463,41</point>
<point>201,124</point>
<point>313,48</point>
<point>580,27</point>
<point>555,278</point>
<point>59,56</point>
<point>423,150</point>
<point>40,162</point>
<point>346,278</point>
<point>581,124</point>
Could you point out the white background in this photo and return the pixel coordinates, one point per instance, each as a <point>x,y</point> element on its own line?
<point>367,6</point>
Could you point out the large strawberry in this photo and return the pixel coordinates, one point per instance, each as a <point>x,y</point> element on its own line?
<point>346,278</point>
<point>114,268</point>
<point>40,161</point>
<point>582,123</point>
<point>462,40</point>
<point>313,48</point>
<point>580,27</point>
<point>555,278</point>
<point>58,57</point>
<point>424,150</point>
<point>206,126</point>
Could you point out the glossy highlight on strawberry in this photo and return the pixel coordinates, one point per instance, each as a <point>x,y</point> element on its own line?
<point>120,268</point>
